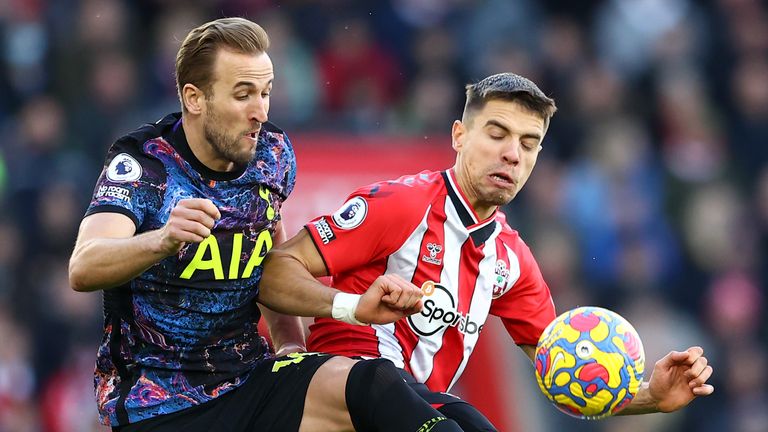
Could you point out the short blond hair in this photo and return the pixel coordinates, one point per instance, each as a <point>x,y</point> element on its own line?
<point>195,59</point>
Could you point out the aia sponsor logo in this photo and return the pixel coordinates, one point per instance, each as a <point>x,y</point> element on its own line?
<point>440,312</point>
<point>433,250</point>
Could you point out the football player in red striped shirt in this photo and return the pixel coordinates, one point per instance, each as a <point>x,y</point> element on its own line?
<point>443,231</point>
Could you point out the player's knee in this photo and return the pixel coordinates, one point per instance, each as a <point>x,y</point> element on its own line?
<point>370,378</point>
<point>468,417</point>
<point>375,389</point>
<point>367,384</point>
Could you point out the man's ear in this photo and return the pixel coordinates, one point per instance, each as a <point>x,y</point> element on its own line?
<point>458,133</point>
<point>193,98</point>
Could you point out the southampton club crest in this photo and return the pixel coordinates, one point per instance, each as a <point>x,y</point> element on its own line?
<point>501,276</point>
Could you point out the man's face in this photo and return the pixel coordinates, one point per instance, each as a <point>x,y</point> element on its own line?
<point>497,149</point>
<point>238,104</point>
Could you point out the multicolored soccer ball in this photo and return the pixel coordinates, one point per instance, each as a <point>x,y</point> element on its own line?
<point>590,362</point>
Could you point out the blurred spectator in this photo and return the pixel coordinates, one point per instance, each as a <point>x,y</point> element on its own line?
<point>433,103</point>
<point>64,405</point>
<point>170,29</point>
<point>296,96</point>
<point>613,200</point>
<point>10,259</point>
<point>748,133</point>
<point>17,377</point>
<point>734,307</point>
<point>360,78</point>
<point>493,25</point>
<point>25,48</point>
<point>628,30</point>
<point>692,148</point>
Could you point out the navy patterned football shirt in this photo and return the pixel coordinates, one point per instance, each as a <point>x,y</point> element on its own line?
<point>185,330</point>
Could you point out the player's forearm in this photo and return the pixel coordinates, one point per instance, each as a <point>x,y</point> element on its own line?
<point>288,287</point>
<point>642,403</point>
<point>284,330</point>
<point>106,262</point>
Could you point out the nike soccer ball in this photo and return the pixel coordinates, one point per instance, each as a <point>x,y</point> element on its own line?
<point>589,362</point>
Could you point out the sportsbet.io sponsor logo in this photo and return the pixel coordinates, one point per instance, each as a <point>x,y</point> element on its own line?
<point>124,168</point>
<point>440,312</point>
<point>351,214</point>
<point>324,231</point>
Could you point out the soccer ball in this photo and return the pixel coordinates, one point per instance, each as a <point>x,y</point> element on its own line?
<point>589,362</point>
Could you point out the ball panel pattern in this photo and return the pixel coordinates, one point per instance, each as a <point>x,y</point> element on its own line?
<point>589,362</point>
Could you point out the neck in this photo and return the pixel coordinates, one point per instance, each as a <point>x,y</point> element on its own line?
<point>482,210</point>
<point>201,148</point>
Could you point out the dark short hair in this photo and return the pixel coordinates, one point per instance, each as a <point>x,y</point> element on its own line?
<point>195,59</point>
<point>509,87</point>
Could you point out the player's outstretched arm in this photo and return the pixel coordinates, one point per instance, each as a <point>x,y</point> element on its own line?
<point>288,285</point>
<point>286,331</point>
<point>676,380</point>
<point>107,253</point>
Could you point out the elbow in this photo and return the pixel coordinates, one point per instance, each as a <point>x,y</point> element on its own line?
<point>78,277</point>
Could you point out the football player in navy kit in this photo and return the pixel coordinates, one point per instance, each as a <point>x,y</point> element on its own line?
<point>180,221</point>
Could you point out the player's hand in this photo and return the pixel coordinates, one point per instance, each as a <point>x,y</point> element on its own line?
<point>389,299</point>
<point>679,378</point>
<point>191,221</point>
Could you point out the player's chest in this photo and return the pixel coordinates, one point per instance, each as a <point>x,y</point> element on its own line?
<point>239,240</point>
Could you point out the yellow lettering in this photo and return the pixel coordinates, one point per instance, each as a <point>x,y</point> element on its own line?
<point>234,262</point>
<point>198,263</point>
<point>263,245</point>
<point>293,358</point>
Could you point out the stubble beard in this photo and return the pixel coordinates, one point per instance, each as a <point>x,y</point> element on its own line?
<point>495,197</point>
<point>227,147</point>
<point>498,198</point>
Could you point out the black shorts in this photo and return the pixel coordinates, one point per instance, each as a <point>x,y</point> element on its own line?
<point>453,407</point>
<point>271,399</point>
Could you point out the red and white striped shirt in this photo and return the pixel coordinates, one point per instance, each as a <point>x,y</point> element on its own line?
<point>423,228</point>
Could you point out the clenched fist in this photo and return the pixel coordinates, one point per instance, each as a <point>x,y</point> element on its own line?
<point>191,221</point>
<point>388,299</point>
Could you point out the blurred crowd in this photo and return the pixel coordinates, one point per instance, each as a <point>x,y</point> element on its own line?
<point>650,196</point>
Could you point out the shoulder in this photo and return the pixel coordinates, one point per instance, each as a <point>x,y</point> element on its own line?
<point>511,238</point>
<point>130,157</point>
<point>277,140</point>
<point>134,142</point>
<point>415,187</point>
<point>148,131</point>
<point>401,202</point>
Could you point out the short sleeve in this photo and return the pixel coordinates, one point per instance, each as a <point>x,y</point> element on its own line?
<point>131,182</point>
<point>372,224</point>
<point>527,308</point>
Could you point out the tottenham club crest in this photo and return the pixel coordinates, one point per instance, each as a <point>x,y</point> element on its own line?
<point>124,168</point>
<point>501,276</point>
<point>434,250</point>
<point>351,214</point>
